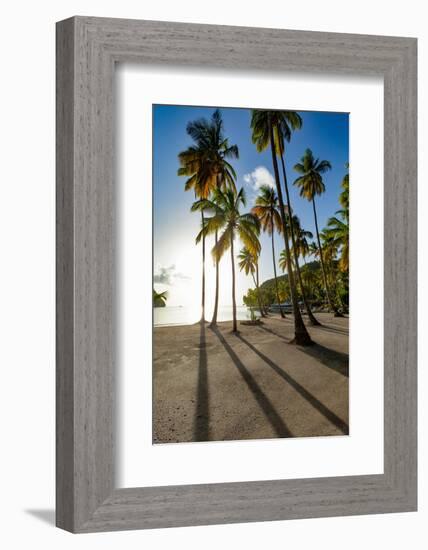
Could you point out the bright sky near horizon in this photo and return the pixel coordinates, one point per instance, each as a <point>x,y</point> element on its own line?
<point>177,260</point>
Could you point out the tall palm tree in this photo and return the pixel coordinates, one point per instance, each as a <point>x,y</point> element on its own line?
<point>219,172</point>
<point>265,126</point>
<point>191,165</point>
<point>227,218</point>
<point>266,209</point>
<point>311,184</point>
<point>289,121</point>
<point>249,264</point>
<point>207,164</point>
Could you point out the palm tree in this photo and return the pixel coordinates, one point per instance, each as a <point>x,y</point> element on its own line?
<point>226,217</point>
<point>301,244</point>
<point>191,164</point>
<point>159,298</point>
<point>311,184</point>
<point>219,172</point>
<point>265,126</point>
<point>207,164</point>
<point>249,264</point>
<point>289,121</point>
<point>266,210</point>
<point>344,195</point>
<point>338,231</point>
<point>283,261</point>
<point>301,249</point>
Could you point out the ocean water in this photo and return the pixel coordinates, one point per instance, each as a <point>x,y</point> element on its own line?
<point>164,316</point>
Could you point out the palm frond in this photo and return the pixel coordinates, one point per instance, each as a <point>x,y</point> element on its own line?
<point>204,204</point>
<point>223,244</point>
<point>323,166</point>
<point>247,261</point>
<point>249,239</point>
<point>210,226</point>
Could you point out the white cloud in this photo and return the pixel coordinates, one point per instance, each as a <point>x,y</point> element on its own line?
<point>166,275</point>
<point>260,176</point>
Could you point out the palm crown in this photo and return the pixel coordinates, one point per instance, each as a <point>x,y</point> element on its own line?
<point>226,216</point>
<point>310,182</point>
<point>282,124</point>
<point>206,163</point>
<point>301,237</point>
<point>266,210</point>
<point>247,261</point>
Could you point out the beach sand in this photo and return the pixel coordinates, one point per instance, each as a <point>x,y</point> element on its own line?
<point>216,386</point>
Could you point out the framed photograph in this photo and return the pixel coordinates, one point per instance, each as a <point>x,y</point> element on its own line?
<point>236,274</point>
<point>227,319</point>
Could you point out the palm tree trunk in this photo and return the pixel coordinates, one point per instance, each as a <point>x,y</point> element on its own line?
<point>256,284</point>
<point>214,318</point>
<point>309,286</point>
<point>263,309</point>
<point>327,290</point>
<point>301,335</point>
<point>203,272</point>
<point>276,280</point>
<point>217,269</point>
<point>311,316</point>
<point>234,328</point>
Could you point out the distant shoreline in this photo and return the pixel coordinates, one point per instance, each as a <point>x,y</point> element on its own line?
<point>197,323</point>
<point>175,316</point>
<point>225,321</point>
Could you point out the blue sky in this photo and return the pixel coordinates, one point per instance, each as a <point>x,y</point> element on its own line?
<point>176,257</point>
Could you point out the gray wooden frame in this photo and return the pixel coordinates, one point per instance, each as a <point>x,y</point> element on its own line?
<point>87,50</point>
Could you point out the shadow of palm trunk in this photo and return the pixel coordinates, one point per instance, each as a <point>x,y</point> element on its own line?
<point>263,401</point>
<point>328,328</point>
<point>330,358</point>
<point>201,423</point>
<point>335,360</point>
<point>310,398</point>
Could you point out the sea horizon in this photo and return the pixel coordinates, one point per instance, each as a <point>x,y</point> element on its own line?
<point>185,315</point>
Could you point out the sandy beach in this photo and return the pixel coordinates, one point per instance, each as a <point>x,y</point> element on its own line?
<point>212,385</point>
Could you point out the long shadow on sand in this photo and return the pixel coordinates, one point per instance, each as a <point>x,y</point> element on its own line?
<point>316,403</point>
<point>335,360</point>
<point>201,424</point>
<point>274,333</point>
<point>336,330</point>
<point>323,326</point>
<point>330,358</point>
<point>268,409</point>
